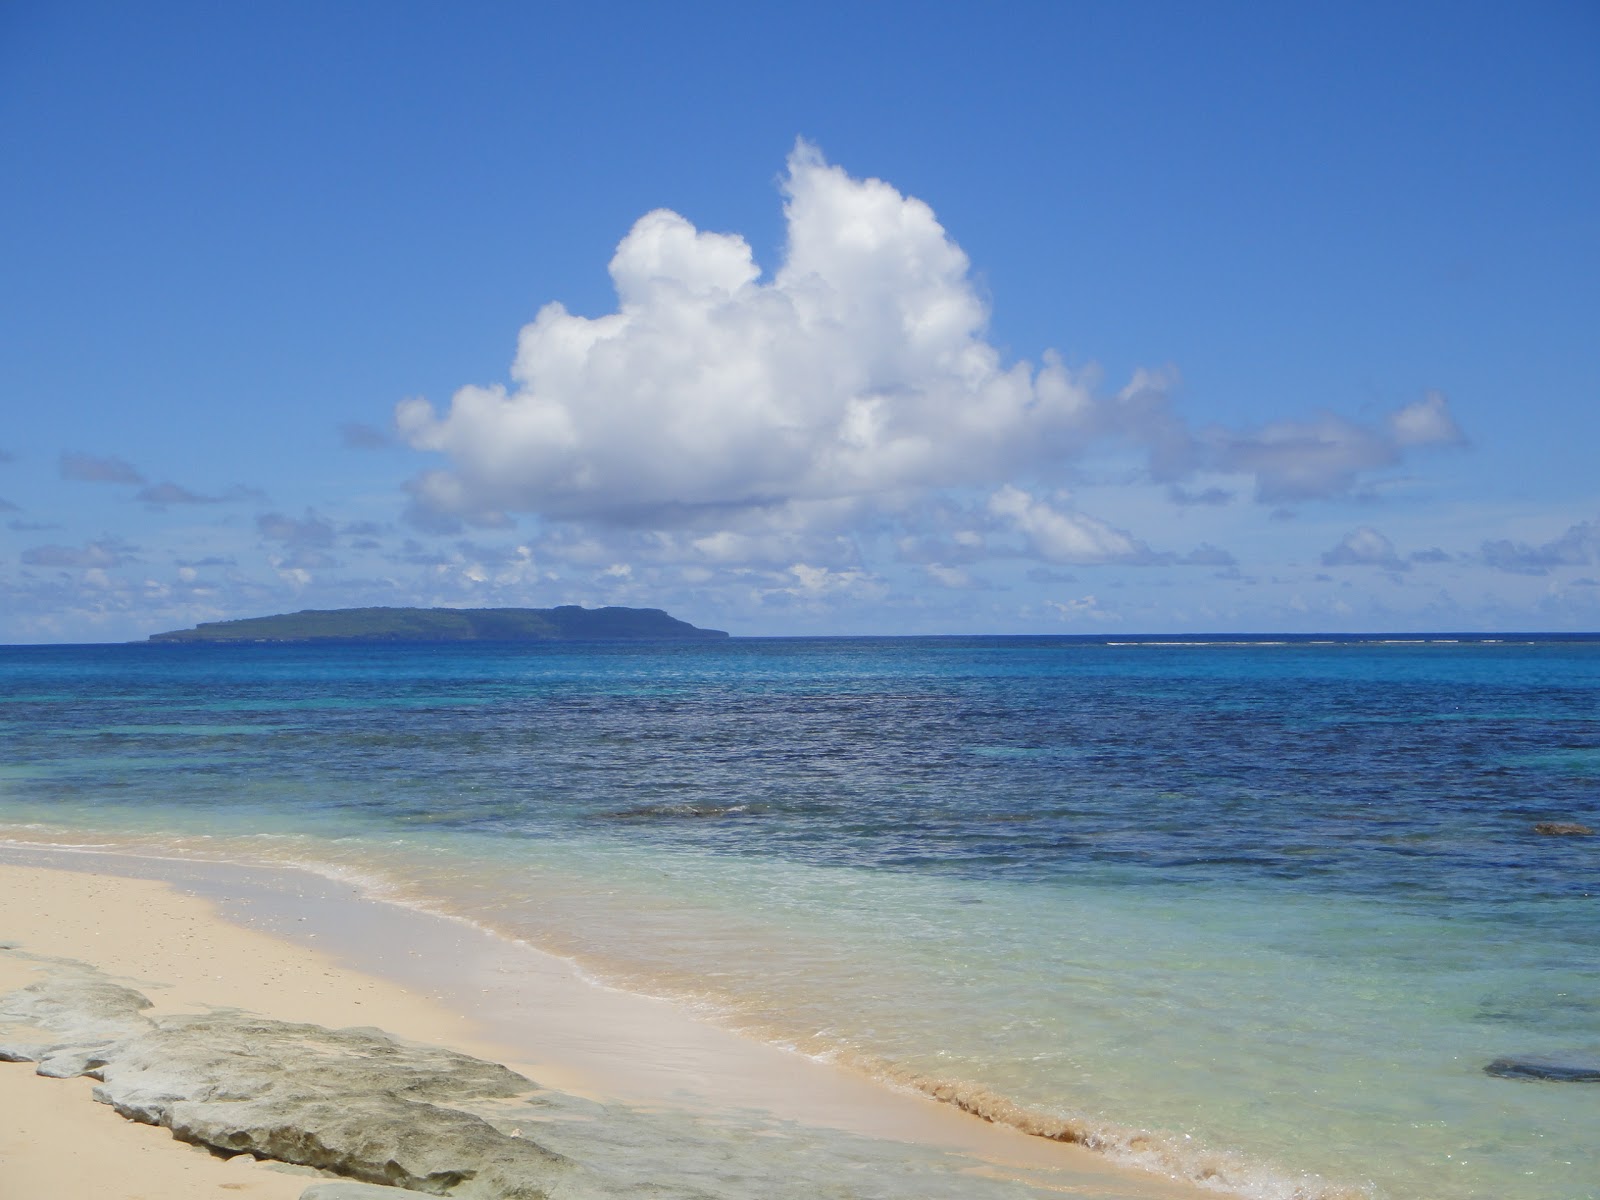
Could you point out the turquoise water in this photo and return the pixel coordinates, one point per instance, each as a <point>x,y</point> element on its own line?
<point>1257,914</point>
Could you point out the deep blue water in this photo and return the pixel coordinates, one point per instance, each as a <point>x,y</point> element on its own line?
<point>1342,778</point>
<point>1411,771</point>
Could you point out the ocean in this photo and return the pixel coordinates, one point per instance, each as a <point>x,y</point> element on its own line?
<point>1252,912</point>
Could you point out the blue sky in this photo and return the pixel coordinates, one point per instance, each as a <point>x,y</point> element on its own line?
<point>815,319</point>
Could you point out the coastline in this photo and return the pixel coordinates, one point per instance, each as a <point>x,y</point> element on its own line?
<point>298,947</point>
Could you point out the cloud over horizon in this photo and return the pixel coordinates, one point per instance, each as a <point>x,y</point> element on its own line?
<point>1365,547</point>
<point>854,379</point>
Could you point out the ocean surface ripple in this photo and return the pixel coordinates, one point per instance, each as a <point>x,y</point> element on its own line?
<point>1259,914</point>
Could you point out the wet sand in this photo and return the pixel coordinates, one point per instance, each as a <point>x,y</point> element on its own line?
<point>298,947</point>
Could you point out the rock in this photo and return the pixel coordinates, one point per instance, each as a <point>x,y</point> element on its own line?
<point>76,999</point>
<point>355,1102</point>
<point>1576,1069</point>
<point>1562,829</point>
<point>235,1056</point>
<point>78,1009</point>
<point>378,1138</point>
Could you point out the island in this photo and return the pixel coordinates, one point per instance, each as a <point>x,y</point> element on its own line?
<point>567,623</point>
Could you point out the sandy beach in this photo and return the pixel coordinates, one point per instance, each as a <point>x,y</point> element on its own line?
<point>215,936</point>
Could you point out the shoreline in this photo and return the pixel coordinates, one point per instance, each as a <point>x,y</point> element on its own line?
<point>300,947</point>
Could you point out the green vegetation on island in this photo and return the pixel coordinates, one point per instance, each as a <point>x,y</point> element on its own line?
<point>568,623</point>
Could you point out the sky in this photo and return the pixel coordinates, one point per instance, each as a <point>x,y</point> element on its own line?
<point>808,319</point>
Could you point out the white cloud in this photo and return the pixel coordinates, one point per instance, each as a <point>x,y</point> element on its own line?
<point>856,377</point>
<point>1365,547</point>
<point>1065,537</point>
<point>808,582</point>
<point>1426,423</point>
<point>860,369</point>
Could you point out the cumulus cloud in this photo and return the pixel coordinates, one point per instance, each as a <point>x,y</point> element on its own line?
<point>1428,422</point>
<point>1065,537</point>
<point>1579,546</point>
<point>846,386</point>
<point>1365,547</point>
<point>89,468</point>
<point>860,369</point>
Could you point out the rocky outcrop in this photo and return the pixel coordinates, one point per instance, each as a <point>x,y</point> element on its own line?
<point>354,1102</point>
<point>1562,829</point>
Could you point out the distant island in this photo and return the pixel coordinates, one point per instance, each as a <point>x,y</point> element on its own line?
<point>568,623</point>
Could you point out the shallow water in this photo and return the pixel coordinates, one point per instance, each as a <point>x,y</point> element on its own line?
<point>1256,914</point>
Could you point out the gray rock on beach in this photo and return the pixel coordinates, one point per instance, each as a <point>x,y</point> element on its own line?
<point>68,1019</point>
<point>355,1102</point>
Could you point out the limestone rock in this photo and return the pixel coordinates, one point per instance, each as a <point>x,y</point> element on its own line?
<point>355,1102</point>
<point>77,1010</point>
<point>378,1138</point>
<point>238,1056</point>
